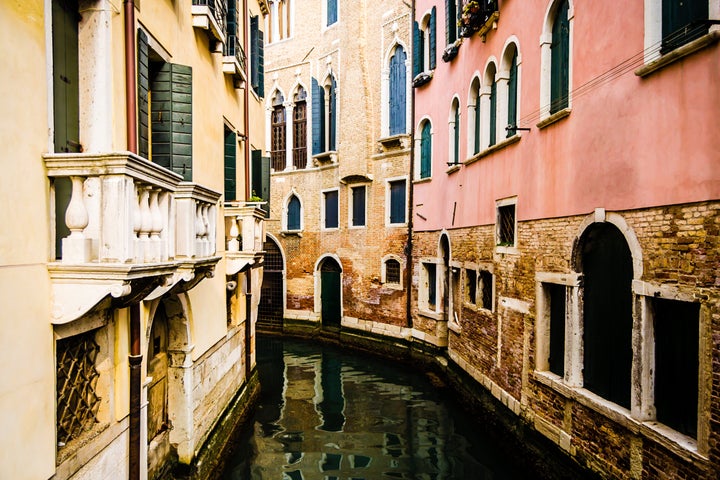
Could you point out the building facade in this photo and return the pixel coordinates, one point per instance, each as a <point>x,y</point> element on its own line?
<point>337,80</point>
<point>131,280</point>
<point>565,212</point>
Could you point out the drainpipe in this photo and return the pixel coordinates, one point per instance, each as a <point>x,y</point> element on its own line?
<point>135,357</point>
<point>246,113</point>
<point>409,245</point>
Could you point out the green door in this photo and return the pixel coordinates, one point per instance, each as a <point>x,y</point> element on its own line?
<point>330,293</point>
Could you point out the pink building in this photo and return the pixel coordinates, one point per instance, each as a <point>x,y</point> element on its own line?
<point>566,177</point>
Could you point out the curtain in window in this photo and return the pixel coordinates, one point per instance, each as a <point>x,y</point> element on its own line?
<point>397,91</point>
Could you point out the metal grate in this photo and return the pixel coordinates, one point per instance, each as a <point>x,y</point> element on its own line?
<point>392,271</point>
<point>77,402</point>
<point>270,308</point>
<point>300,135</point>
<point>506,225</point>
<point>278,138</point>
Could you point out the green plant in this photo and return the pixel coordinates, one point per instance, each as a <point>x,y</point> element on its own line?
<point>255,198</point>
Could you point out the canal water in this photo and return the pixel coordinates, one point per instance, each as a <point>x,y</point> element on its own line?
<point>327,413</point>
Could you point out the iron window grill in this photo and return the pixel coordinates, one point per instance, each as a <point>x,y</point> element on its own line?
<point>218,9</point>
<point>506,225</point>
<point>278,138</point>
<point>77,400</point>
<point>300,133</point>
<point>392,271</point>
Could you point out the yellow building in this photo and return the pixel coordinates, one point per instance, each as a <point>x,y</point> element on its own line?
<point>130,262</point>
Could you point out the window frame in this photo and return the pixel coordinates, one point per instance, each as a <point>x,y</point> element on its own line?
<point>546,38</point>
<point>426,279</point>
<point>323,209</point>
<point>286,213</point>
<point>454,133</point>
<point>500,247</point>
<point>383,272</point>
<point>300,129</point>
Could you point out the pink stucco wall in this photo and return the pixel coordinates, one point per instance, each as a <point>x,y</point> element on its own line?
<point>629,143</point>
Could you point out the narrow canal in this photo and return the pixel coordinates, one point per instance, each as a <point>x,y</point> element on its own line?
<point>330,414</point>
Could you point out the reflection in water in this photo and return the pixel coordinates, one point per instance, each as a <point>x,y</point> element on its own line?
<point>326,414</point>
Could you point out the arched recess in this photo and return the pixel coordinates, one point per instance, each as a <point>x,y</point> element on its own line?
<point>271,308</point>
<point>329,284</point>
<point>444,273</point>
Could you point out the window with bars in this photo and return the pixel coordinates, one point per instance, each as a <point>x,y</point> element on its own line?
<point>506,225</point>
<point>392,271</point>
<point>277,154</point>
<point>77,400</point>
<point>300,130</point>
<point>431,288</point>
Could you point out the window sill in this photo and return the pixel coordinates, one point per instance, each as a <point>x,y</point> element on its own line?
<point>431,314</point>
<point>393,286</point>
<point>681,445</point>
<point>422,180</point>
<point>421,79</point>
<point>555,117</point>
<point>393,142</point>
<point>454,326</point>
<point>329,156</point>
<point>490,150</point>
<point>291,233</point>
<point>509,250</point>
<point>396,225</point>
<point>679,53</point>
<point>453,167</point>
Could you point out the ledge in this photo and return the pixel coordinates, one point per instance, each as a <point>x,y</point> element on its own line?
<point>453,167</point>
<point>422,180</point>
<point>490,150</point>
<point>678,53</point>
<point>559,115</point>
<point>421,79</point>
<point>329,156</point>
<point>394,141</point>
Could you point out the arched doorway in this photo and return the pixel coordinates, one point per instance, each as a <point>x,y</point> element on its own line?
<point>157,371</point>
<point>330,292</point>
<point>270,308</point>
<point>607,267</point>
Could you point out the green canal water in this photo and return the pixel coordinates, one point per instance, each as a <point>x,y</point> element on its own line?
<point>329,414</point>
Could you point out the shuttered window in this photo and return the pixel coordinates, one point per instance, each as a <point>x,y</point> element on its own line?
<point>512,95</point>
<point>418,50</point>
<point>398,88</point>
<point>358,206</point>
<point>451,18</point>
<point>560,60</point>
<point>318,118</point>
<point>257,57</point>
<point>493,111</point>
<point>260,185</point>
<point>230,165</point>
<point>293,213</point>
<point>277,133</point>
<point>332,115</point>
<point>476,127</point>
<point>397,201</point>
<point>66,121</point>
<point>456,133</point>
<point>432,39</point>
<point>682,22</point>
<point>331,209</point>
<point>425,151</point>
<point>332,12</point>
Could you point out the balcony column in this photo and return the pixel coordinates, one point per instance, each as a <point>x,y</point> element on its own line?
<point>156,227</point>
<point>76,248</point>
<point>484,117</point>
<point>199,231</point>
<point>234,242</point>
<point>145,225</point>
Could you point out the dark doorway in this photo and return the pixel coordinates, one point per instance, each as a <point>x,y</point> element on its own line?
<point>270,308</point>
<point>330,293</point>
<point>607,316</point>
<point>445,254</point>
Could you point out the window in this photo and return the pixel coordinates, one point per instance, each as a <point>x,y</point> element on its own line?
<point>397,201</point>
<point>430,291</point>
<point>425,149</point>
<point>452,15</point>
<point>230,165</point>
<point>454,157</point>
<point>233,47</point>
<point>474,115</point>
<point>257,57</point>
<point>470,286</point>
<point>324,106</point>
<point>330,209</point>
<point>279,20</point>
<point>486,290</point>
<point>300,129</point>
<point>164,111</point>
<point>488,108</point>
<point>560,59</point>
<point>682,22</point>
<point>66,121</point>
<point>493,111</point>
<point>556,296</point>
<point>506,223</point>
<point>277,132</point>
<point>260,178</point>
<point>392,271</point>
<point>512,91</point>
<point>358,195</point>
<point>294,215</point>
<point>398,91</point>
<point>424,44</point>
<point>332,12</point>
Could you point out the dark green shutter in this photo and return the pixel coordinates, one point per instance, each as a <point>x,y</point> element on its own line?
<point>331,209</point>
<point>398,86</point>
<point>682,22</point>
<point>450,21</point>
<point>260,175</point>
<point>476,142</point>
<point>293,213</point>
<point>172,118</point>
<point>512,95</point>
<point>66,104</point>
<point>418,66</point>
<point>316,117</point>
<point>230,165</point>
<point>232,17</point>
<point>143,86</point>
<point>456,136</point>
<point>332,117</point>
<point>257,57</point>
<point>358,198</point>
<point>425,151</point>
<point>560,60</point>
<point>493,112</point>
<point>261,64</point>
<point>433,38</point>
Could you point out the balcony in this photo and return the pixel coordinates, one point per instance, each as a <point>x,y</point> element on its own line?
<point>245,235</point>
<point>478,17</point>
<point>234,60</point>
<point>210,15</point>
<point>131,230</point>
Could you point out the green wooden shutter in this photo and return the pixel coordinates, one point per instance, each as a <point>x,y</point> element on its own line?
<point>425,151</point>
<point>560,60</point>
<point>316,117</point>
<point>260,175</point>
<point>512,95</point>
<point>433,38</point>
<point>450,21</point>
<point>66,104</point>
<point>261,64</point>
<point>476,139</point>
<point>172,118</point>
<point>332,116</point>
<point>418,54</point>
<point>681,22</point>
<point>456,136</point>
<point>257,57</point>
<point>493,112</point>
<point>143,87</point>
<point>230,165</point>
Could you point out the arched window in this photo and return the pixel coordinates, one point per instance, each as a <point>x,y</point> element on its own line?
<point>492,121</point>
<point>454,133</point>
<point>512,92</point>
<point>474,115</point>
<point>277,153</point>
<point>560,59</point>
<point>425,43</point>
<point>300,129</point>
<point>398,91</point>
<point>293,213</point>
<point>425,150</point>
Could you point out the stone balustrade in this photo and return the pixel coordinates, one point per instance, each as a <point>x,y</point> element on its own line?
<point>245,234</point>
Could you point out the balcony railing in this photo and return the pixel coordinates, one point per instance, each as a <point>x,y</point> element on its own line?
<point>211,15</point>
<point>244,234</point>
<point>234,60</point>
<point>129,221</point>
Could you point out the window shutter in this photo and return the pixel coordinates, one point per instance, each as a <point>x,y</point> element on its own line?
<point>433,39</point>
<point>493,112</point>
<point>456,136</point>
<point>66,104</point>
<point>397,201</point>
<point>425,151</point>
<point>397,91</point>
<point>476,143</point>
<point>512,95</point>
<point>331,12</point>
<point>450,19</point>
<point>230,165</point>
<point>358,198</point>
<point>261,64</point>
<point>232,18</point>
<point>143,86</point>
<point>257,57</point>
<point>317,113</point>
<point>417,50</point>
<point>679,22</point>
<point>260,185</point>
<point>333,117</point>
<point>560,60</point>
